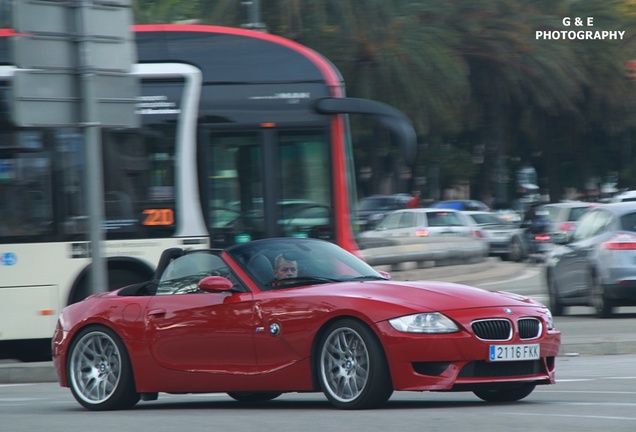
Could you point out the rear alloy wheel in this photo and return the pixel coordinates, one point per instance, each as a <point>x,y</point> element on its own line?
<point>253,396</point>
<point>556,304</point>
<point>604,306</point>
<point>99,371</point>
<point>509,393</point>
<point>515,250</point>
<point>352,368</point>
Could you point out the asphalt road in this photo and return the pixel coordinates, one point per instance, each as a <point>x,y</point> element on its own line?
<point>592,393</point>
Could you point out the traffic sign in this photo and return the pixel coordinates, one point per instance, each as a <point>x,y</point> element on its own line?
<point>52,98</point>
<point>68,50</point>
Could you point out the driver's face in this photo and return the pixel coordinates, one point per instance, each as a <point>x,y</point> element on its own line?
<point>286,269</point>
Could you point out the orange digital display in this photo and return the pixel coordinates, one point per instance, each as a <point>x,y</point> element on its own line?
<point>158,217</point>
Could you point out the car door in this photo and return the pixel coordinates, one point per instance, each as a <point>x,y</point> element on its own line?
<point>407,226</point>
<point>389,227</point>
<point>191,330</point>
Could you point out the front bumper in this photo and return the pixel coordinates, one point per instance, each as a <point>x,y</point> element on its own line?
<point>459,361</point>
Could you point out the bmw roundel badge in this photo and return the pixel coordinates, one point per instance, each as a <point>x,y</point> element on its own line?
<point>274,329</point>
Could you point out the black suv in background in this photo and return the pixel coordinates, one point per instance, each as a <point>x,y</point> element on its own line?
<point>372,209</point>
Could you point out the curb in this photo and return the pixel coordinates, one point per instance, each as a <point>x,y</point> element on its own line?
<point>22,373</point>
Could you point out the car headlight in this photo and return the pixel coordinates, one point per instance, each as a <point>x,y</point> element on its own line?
<point>549,318</point>
<point>432,322</point>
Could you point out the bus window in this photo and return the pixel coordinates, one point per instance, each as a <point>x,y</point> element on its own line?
<point>292,199</point>
<point>25,195</point>
<point>139,166</point>
<point>234,193</point>
<point>305,186</point>
<point>28,160</point>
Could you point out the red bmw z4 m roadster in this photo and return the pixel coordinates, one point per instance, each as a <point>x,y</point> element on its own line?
<point>267,317</point>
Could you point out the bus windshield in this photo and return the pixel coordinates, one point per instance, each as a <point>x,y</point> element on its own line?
<point>240,184</point>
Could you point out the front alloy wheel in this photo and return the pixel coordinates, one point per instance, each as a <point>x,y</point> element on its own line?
<point>353,371</point>
<point>99,371</point>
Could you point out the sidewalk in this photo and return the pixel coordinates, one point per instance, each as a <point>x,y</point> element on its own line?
<point>488,270</point>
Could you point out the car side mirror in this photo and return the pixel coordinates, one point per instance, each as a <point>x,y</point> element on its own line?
<point>215,284</point>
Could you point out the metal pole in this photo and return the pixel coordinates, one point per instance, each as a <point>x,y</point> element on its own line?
<point>93,172</point>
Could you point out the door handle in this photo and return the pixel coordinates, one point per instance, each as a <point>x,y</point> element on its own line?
<point>157,313</point>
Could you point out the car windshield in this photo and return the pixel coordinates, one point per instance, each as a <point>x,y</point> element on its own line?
<point>487,218</point>
<point>183,274</point>
<point>376,203</point>
<point>628,222</point>
<point>306,261</point>
<point>576,213</point>
<point>442,218</point>
<point>456,205</point>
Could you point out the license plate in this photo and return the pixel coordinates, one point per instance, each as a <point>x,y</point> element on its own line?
<point>514,352</point>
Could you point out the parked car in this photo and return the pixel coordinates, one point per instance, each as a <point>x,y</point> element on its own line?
<point>505,239</point>
<point>218,321</point>
<point>421,222</point>
<point>629,195</point>
<point>596,266</point>
<point>563,217</point>
<point>467,204</point>
<point>372,209</point>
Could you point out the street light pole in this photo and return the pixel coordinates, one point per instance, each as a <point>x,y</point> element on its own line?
<point>254,15</point>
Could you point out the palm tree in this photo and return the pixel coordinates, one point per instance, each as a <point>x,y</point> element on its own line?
<point>511,74</point>
<point>164,11</point>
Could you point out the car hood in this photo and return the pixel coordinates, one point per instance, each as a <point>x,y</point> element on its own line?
<point>420,295</point>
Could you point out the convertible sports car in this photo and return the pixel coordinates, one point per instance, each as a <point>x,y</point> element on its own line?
<point>219,321</point>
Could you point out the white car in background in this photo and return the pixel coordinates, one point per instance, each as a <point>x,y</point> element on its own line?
<point>505,239</point>
<point>422,222</point>
<point>624,196</point>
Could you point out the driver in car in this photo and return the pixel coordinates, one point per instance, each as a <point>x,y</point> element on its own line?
<point>285,268</point>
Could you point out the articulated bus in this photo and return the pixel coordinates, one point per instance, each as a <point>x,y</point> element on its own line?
<point>244,135</point>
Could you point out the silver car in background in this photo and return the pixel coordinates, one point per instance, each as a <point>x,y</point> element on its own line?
<point>596,265</point>
<point>564,216</point>
<point>505,239</point>
<point>421,222</point>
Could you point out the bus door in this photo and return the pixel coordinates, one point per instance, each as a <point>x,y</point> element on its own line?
<point>266,182</point>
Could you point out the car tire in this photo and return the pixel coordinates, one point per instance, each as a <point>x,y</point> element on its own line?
<point>99,371</point>
<point>352,367</point>
<point>250,397</point>
<point>603,306</point>
<point>556,304</point>
<point>508,393</point>
<point>516,250</point>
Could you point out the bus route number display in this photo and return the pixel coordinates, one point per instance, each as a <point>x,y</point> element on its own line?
<point>158,217</point>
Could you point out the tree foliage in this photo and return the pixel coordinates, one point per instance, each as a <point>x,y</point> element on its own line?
<point>473,77</point>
